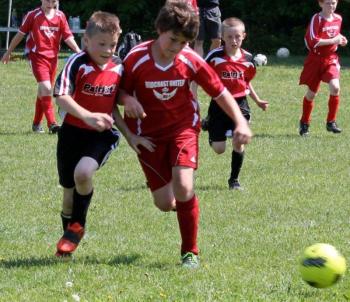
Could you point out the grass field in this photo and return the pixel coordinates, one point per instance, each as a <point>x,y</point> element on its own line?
<point>296,194</point>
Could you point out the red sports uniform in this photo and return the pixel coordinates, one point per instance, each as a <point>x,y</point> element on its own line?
<point>43,41</point>
<point>322,63</point>
<point>91,86</point>
<point>172,120</point>
<point>236,74</point>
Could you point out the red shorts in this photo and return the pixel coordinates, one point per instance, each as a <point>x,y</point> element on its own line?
<point>44,69</point>
<point>317,69</point>
<point>180,150</point>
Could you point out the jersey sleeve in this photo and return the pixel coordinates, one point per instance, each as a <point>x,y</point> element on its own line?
<point>65,83</point>
<point>27,23</point>
<point>311,37</point>
<point>208,79</point>
<point>127,81</point>
<point>66,32</point>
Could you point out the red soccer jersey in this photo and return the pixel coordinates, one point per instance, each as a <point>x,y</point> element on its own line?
<point>164,92</point>
<point>44,35</point>
<point>234,73</point>
<point>320,28</point>
<point>90,85</point>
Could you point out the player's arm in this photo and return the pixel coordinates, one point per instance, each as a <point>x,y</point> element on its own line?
<point>242,133</point>
<point>338,40</point>
<point>72,44</point>
<point>132,106</point>
<point>133,140</point>
<point>14,42</point>
<point>261,103</point>
<point>98,121</point>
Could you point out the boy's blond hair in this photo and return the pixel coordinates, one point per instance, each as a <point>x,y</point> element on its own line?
<point>103,22</point>
<point>179,17</point>
<point>232,22</point>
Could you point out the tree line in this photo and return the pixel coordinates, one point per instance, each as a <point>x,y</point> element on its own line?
<point>270,24</point>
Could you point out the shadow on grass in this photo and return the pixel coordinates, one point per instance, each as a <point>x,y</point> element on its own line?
<point>52,260</point>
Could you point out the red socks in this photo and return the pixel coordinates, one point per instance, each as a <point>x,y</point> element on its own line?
<point>308,105</point>
<point>188,218</point>
<point>38,116</point>
<point>47,107</point>
<point>333,106</point>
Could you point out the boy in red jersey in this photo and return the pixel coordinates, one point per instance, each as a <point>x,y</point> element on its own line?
<point>45,26</point>
<point>322,64</point>
<point>236,69</point>
<point>159,74</point>
<point>86,90</point>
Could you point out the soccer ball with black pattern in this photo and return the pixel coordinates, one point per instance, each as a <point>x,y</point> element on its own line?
<point>322,265</point>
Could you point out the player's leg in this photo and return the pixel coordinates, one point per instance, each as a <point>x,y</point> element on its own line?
<point>44,94</point>
<point>67,207</point>
<point>164,198</point>
<point>187,210</point>
<point>198,44</point>
<point>333,106</point>
<point>237,157</point>
<point>307,107</point>
<point>213,25</point>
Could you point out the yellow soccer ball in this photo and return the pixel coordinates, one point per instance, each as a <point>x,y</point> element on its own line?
<point>322,265</point>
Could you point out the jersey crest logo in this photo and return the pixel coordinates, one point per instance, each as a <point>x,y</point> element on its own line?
<point>49,30</point>
<point>165,95</point>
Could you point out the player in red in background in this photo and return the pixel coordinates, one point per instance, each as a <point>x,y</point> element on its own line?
<point>45,27</point>
<point>322,64</point>
<point>86,90</point>
<point>159,74</point>
<point>236,69</point>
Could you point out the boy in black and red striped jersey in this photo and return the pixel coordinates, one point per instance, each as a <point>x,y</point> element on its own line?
<point>236,69</point>
<point>322,64</point>
<point>45,26</point>
<point>86,91</point>
<point>159,74</point>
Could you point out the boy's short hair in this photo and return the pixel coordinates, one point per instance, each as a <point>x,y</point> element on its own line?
<point>102,22</point>
<point>179,17</point>
<point>232,22</point>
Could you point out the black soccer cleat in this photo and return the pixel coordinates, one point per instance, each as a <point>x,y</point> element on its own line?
<point>54,128</point>
<point>304,129</point>
<point>205,123</point>
<point>333,127</point>
<point>233,184</point>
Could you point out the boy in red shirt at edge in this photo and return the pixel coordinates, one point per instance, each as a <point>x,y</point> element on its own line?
<point>159,74</point>
<point>45,26</point>
<point>322,64</point>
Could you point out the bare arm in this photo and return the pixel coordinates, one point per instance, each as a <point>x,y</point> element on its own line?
<point>261,103</point>
<point>242,133</point>
<point>98,121</point>
<point>338,40</point>
<point>133,140</point>
<point>132,106</point>
<point>14,42</point>
<point>72,44</point>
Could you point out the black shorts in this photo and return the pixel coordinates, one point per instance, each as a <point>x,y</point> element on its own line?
<point>219,123</point>
<point>210,23</point>
<point>75,143</point>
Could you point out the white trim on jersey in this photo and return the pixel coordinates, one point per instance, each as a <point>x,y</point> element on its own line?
<point>136,49</point>
<point>220,48</point>
<point>64,86</point>
<point>222,92</point>
<point>187,62</point>
<point>141,61</point>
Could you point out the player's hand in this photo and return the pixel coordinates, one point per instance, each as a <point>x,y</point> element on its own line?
<point>135,141</point>
<point>263,104</point>
<point>242,134</point>
<point>132,107</point>
<point>343,41</point>
<point>6,58</point>
<point>99,121</point>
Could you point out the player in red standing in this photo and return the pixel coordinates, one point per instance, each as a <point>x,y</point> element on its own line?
<point>236,69</point>
<point>159,74</point>
<point>45,27</point>
<point>322,64</point>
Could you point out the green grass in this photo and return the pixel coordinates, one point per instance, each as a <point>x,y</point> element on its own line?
<point>296,194</point>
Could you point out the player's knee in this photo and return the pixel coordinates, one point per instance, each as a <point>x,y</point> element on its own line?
<point>334,90</point>
<point>165,205</point>
<point>219,150</point>
<point>310,95</point>
<point>82,176</point>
